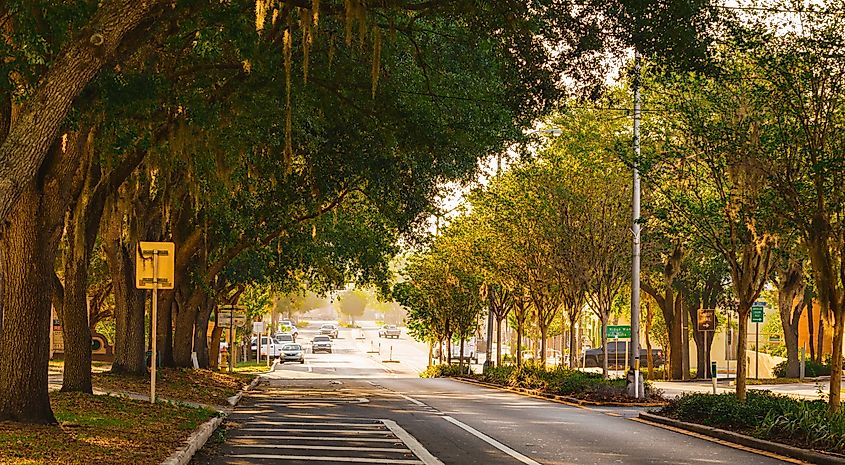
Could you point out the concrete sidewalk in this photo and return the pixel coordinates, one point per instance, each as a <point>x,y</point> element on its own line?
<point>809,390</point>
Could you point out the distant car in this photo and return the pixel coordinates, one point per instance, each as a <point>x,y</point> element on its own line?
<point>284,338</point>
<point>289,327</point>
<point>321,344</point>
<point>292,353</point>
<point>389,331</point>
<point>329,330</point>
<point>616,355</point>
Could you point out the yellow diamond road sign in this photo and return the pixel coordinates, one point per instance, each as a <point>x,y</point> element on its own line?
<point>155,257</point>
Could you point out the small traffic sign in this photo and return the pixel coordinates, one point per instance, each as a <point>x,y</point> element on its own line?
<point>154,264</point>
<point>258,327</point>
<point>757,312</point>
<point>621,332</point>
<point>706,319</point>
<point>225,321</point>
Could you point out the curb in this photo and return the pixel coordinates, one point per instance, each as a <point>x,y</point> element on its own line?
<point>572,401</point>
<point>200,436</point>
<point>195,442</point>
<point>233,401</point>
<point>747,441</point>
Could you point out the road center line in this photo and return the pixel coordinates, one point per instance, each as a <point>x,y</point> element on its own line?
<point>412,443</point>
<point>491,441</point>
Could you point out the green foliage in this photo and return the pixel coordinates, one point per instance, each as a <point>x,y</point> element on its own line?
<point>563,381</point>
<point>805,424</point>
<point>812,368</point>
<point>444,371</point>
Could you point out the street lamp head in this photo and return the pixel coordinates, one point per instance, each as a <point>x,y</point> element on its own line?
<point>554,132</point>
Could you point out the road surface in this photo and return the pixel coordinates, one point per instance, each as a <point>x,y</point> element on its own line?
<point>354,407</point>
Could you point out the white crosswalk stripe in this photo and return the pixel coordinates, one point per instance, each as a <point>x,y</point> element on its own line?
<point>321,441</point>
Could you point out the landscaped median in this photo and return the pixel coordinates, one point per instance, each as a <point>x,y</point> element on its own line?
<point>766,421</point>
<point>558,383</point>
<point>122,427</point>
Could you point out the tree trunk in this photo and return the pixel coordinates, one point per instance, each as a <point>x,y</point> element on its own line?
<point>741,355</point>
<point>461,357</point>
<point>130,303</point>
<point>835,403</point>
<point>604,370</point>
<point>649,318</point>
<point>810,330</point>
<point>164,330</point>
<point>499,342</point>
<point>214,347</point>
<point>76,376</point>
<point>519,329</point>
<point>27,257</point>
<point>573,345</point>
<point>543,332</point>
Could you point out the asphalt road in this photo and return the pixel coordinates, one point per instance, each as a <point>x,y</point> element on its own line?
<point>354,407</point>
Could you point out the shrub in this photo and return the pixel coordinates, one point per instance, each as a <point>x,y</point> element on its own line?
<point>443,371</point>
<point>771,416</point>
<point>812,369</point>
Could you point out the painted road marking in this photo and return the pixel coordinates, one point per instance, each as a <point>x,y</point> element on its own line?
<point>300,430</point>
<point>315,438</point>
<point>412,443</point>
<point>309,458</point>
<point>414,401</point>
<point>305,423</point>
<point>400,450</point>
<point>491,441</point>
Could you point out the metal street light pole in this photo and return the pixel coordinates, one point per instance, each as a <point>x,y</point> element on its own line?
<point>635,262</point>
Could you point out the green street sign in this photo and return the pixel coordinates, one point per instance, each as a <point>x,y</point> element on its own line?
<point>620,332</point>
<point>757,312</point>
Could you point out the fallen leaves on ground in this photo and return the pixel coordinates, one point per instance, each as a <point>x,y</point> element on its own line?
<point>102,430</point>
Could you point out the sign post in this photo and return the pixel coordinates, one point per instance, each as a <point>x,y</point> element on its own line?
<point>231,320</point>
<point>757,318</point>
<point>257,329</point>
<point>707,323</point>
<point>154,264</point>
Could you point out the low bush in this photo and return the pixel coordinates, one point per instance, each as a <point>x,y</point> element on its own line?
<point>444,371</point>
<point>812,369</point>
<point>563,381</point>
<point>765,415</point>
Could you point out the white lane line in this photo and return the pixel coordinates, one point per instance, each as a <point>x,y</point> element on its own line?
<point>313,438</point>
<point>411,399</point>
<point>491,441</point>
<point>300,430</point>
<point>421,452</point>
<point>400,450</point>
<point>306,423</point>
<point>316,458</point>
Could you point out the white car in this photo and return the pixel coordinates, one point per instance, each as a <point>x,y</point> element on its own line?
<point>268,345</point>
<point>289,327</point>
<point>292,353</point>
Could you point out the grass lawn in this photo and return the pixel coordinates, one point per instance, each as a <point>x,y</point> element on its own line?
<point>201,386</point>
<point>252,367</point>
<point>101,430</point>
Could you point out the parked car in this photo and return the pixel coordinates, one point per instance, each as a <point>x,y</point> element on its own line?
<point>616,355</point>
<point>470,354</point>
<point>292,353</point>
<point>329,330</point>
<point>389,331</point>
<point>321,344</point>
<point>268,345</point>
<point>284,338</point>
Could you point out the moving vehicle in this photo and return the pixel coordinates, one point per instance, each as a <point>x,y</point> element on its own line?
<point>329,330</point>
<point>268,346</point>
<point>284,338</point>
<point>292,353</point>
<point>389,331</point>
<point>321,344</point>
<point>616,351</point>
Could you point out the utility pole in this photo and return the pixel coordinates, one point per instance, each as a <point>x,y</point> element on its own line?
<point>635,262</point>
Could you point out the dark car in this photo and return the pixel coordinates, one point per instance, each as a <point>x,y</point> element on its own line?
<point>616,352</point>
<point>321,344</point>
